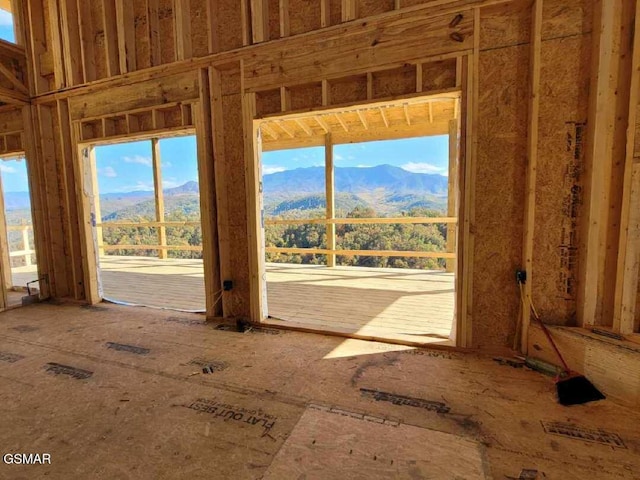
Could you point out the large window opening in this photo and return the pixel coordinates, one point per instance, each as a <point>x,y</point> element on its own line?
<point>146,202</point>
<point>361,223</point>
<point>18,250</point>
<point>7,22</point>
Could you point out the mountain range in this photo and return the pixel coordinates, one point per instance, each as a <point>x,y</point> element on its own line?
<point>385,188</point>
<point>356,180</point>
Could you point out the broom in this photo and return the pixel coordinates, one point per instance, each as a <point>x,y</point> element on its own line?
<point>572,388</point>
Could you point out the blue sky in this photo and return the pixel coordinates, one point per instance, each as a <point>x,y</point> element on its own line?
<point>6,26</point>
<point>14,175</point>
<point>419,155</point>
<point>126,167</point>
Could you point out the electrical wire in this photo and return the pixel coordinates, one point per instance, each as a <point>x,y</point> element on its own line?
<point>218,298</point>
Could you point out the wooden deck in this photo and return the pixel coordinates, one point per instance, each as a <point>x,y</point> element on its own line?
<point>386,303</point>
<point>406,305</point>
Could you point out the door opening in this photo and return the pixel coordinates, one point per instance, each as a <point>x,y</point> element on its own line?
<point>146,202</point>
<point>360,216</point>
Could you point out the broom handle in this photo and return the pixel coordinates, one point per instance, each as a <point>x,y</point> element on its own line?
<point>551,341</point>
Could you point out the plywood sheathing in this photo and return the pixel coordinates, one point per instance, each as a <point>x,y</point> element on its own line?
<point>228,26</point>
<point>367,8</point>
<point>393,82</point>
<point>164,36</point>
<point>439,75</point>
<point>142,34</point>
<point>276,20</point>
<point>564,100</point>
<point>335,11</point>
<point>304,16</point>
<point>199,29</point>
<point>306,97</point>
<point>500,171</point>
<point>230,187</point>
<point>143,408</point>
<point>96,34</point>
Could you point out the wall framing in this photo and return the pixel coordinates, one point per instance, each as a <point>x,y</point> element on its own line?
<point>463,328</point>
<point>232,62</point>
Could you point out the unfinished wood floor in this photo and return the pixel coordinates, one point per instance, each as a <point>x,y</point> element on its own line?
<point>118,392</point>
<point>386,303</point>
<point>410,305</point>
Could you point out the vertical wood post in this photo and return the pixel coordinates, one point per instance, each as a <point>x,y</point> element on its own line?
<point>532,165</point>
<point>605,155</point>
<point>159,196</point>
<point>628,267</point>
<point>25,243</point>
<point>330,198</point>
<point>96,200</point>
<point>4,250</point>
<point>452,192</point>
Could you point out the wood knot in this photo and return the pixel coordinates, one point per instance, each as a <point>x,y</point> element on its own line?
<point>456,20</point>
<point>457,37</point>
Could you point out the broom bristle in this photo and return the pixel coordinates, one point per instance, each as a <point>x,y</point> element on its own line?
<point>575,390</point>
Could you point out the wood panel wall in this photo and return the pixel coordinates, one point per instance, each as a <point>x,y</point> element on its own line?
<point>256,58</point>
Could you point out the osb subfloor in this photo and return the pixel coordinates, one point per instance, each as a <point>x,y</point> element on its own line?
<point>409,305</point>
<point>280,405</point>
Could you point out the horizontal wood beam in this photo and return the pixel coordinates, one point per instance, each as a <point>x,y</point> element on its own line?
<point>13,97</point>
<point>353,221</point>
<point>405,36</point>
<point>372,135</point>
<point>350,253</point>
<point>190,248</point>
<point>12,50</point>
<point>147,224</point>
<point>15,81</point>
<point>224,58</point>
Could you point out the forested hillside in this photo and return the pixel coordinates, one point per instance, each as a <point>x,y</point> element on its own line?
<point>382,191</point>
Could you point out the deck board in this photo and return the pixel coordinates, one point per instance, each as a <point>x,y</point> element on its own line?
<point>386,303</point>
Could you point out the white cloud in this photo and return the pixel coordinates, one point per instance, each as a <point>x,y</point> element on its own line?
<point>139,186</point>
<point>7,169</point>
<point>166,164</point>
<point>6,19</point>
<point>338,157</point>
<point>170,184</point>
<point>363,166</point>
<point>268,170</point>
<point>139,159</point>
<point>107,172</point>
<point>424,168</point>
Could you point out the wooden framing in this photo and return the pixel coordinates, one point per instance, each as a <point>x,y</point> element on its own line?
<point>272,73</point>
<point>209,182</point>
<point>599,255</point>
<point>158,193</point>
<point>452,193</point>
<point>5,264</point>
<point>95,193</point>
<point>628,267</point>
<point>330,199</point>
<point>252,159</point>
<point>532,158</point>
